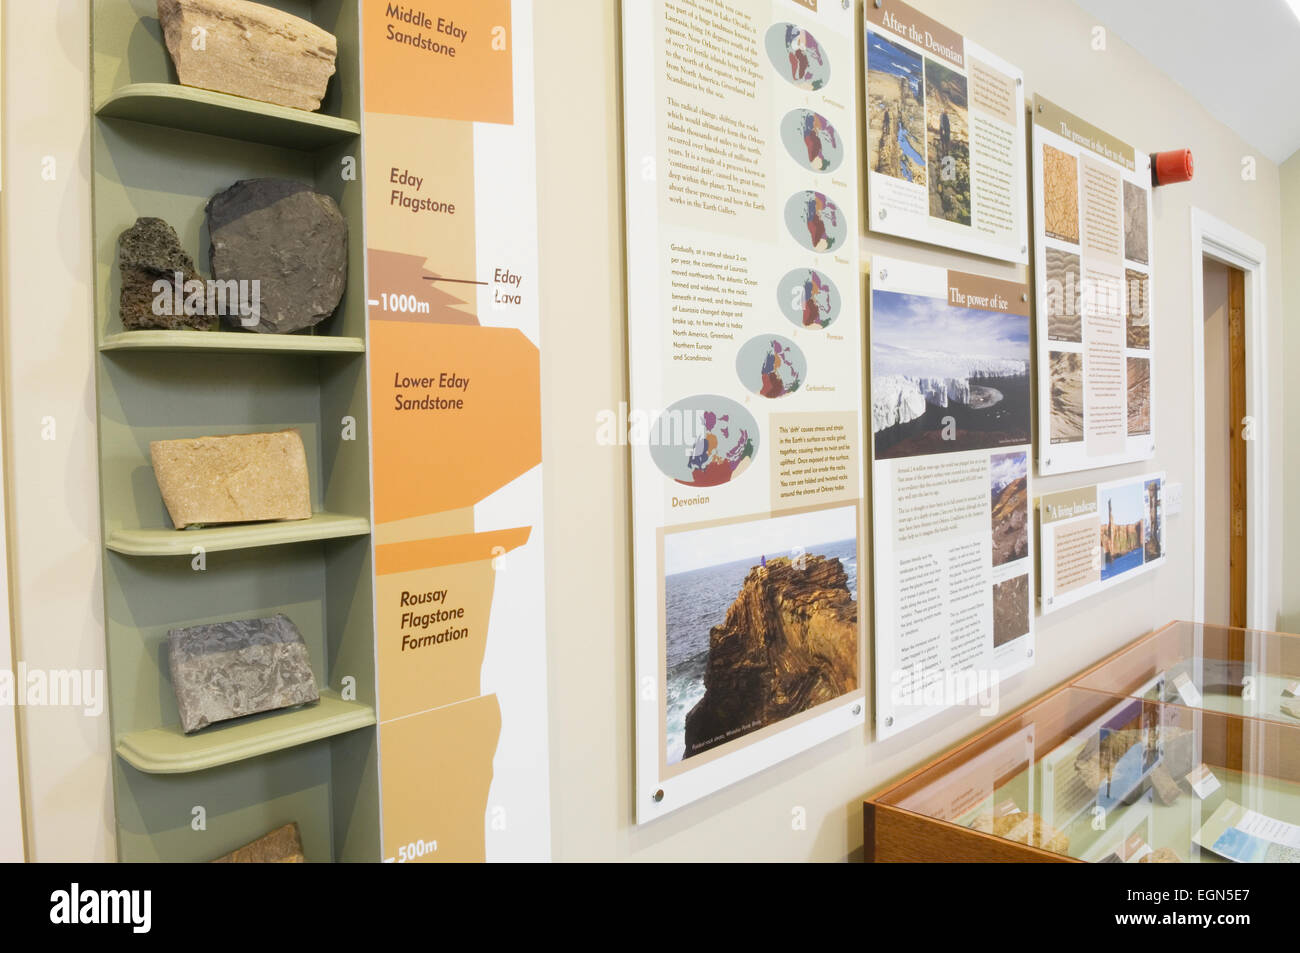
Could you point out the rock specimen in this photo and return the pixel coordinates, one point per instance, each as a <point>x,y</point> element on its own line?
<point>238,479</point>
<point>789,642</point>
<point>1291,706</point>
<point>282,846</point>
<point>149,252</point>
<point>1161,855</point>
<point>226,670</point>
<point>248,49</point>
<point>288,239</point>
<point>1165,787</point>
<point>1022,828</point>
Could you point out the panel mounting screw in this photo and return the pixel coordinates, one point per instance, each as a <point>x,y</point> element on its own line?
<point>1029,654</point>
<point>1024,297</point>
<point>883,274</point>
<point>658,795</point>
<point>1040,107</point>
<point>857,710</point>
<point>883,214</point>
<point>889,721</point>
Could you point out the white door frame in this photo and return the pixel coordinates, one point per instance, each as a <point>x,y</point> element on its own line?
<point>1212,238</point>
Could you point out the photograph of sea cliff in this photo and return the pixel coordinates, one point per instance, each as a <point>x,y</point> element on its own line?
<point>1010,491</point>
<point>947,143</point>
<point>1067,396</point>
<point>761,624</point>
<point>1121,511</point>
<point>946,378</point>
<point>895,111</point>
<point>1064,296</point>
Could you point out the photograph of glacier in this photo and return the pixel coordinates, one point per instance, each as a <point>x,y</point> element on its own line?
<point>945,378</point>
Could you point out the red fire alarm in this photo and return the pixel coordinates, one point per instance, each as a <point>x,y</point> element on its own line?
<point>1170,167</point>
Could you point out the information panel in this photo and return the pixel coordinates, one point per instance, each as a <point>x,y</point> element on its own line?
<point>945,137</point>
<point>1094,261</point>
<point>950,422</point>
<point>451,265</point>
<point>746,383</point>
<point>1095,537</point>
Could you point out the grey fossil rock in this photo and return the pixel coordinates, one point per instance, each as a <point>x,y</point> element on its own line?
<point>147,252</point>
<point>225,670</point>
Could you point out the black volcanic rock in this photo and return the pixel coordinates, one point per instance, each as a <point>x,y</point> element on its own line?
<point>289,238</point>
<point>147,252</point>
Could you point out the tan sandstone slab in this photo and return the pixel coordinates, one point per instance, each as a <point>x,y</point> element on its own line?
<point>248,49</point>
<point>282,846</point>
<point>242,478</point>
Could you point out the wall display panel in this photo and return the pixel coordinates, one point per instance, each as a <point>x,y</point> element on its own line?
<point>1095,537</point>
<point>1094,258</point>
<point>451,254</point>
<point>746,383</point>
<point>945,137</point>
<point>953,551</point>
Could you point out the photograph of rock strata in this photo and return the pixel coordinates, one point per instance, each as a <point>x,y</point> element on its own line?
<point>1139,396</point>
<point>1060,195</point>
<point>946,378</point>
<point>1064,297</point>
<point>1138,325</point>
<point>1010,486</point>
<point>761,623</point>
<point>1067,396</point>
<point>1135,224</point>
<point>947,143</point>
<point>895,111</point>
<point>1010,609</point>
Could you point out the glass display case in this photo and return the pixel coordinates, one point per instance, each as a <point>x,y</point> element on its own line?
<point>1179,748</point>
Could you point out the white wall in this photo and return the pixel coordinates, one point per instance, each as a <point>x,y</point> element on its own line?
<point>1290,175</point>
<point>589,591</point>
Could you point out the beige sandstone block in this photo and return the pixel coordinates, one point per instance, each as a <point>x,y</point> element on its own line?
<point>237,479</point>
<point>248,49</point>
<point>282,846</point>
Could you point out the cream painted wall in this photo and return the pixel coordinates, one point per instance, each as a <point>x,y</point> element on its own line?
<point>49,379</point>
<point>587,502</point>
<point>1290,176</point>
<point>49,373</point>
<point>1218,460</point>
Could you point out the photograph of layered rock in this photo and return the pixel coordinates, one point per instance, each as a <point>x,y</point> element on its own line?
<point>1010,497</point>
<point>1010,609</point>
<point>1121,510</point>
<point>1060,195</point>
<point>761,624</point>
<point>895,111</point>
<point>946,378</point>
<point>947,143</point>
<point>1153,548</point>
<point>1138,325</point>
<point>1067,396</point>
<point>1064,297</point>
<point>1135,224</point>
<point>1139,396</point>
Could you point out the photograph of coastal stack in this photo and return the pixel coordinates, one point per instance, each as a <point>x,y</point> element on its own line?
<point>947,143</point>
<point>760,625</point>
<point>1121,510</point>
<point>945,378</point>
<point>895,111</point>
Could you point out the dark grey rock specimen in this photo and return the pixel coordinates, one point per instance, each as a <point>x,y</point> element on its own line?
<point>226,670</point>
<point>147,252</point>
<point>291,240</point>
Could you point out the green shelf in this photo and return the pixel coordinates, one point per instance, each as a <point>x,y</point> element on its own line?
<point>232,342</point>
<point>174,542</point>
<point>171,751</point>
<point>220,114</point>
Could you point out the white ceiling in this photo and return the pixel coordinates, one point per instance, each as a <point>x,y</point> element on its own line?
<point>1240,59</point>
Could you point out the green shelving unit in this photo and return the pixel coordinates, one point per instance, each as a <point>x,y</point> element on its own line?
<point>161,149</point>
